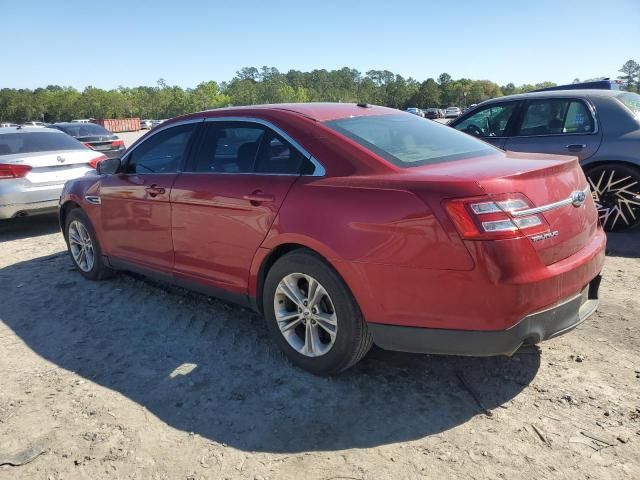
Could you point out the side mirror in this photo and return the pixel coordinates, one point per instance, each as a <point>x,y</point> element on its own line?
<point>109,166</point>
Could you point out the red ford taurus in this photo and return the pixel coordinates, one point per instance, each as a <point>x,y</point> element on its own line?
<point>348,225</point>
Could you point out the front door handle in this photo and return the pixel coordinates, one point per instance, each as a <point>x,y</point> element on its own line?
<point>258,197</point>
<point>576,147</point>
<point>154,190</point>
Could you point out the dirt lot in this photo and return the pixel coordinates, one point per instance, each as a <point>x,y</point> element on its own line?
<point>130,379</point>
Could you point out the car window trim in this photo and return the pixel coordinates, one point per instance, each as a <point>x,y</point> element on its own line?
<point>319,170</point>
<point>510,124</point>
<point>125,158</point>
<point>584,101</point>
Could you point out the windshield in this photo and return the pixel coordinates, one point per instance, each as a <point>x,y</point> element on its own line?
<point>410,141</point>
<point>30,142</point>
<point>631,101</point>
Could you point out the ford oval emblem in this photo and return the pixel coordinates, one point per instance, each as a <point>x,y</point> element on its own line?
<point>578,198</point>
<point>60,159</point>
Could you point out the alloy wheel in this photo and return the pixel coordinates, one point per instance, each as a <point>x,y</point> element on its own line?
<point>616,194</point>
<point>305,314</point>
<point>81,246</point>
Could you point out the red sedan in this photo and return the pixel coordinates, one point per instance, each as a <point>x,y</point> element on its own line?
<point>348,225</point>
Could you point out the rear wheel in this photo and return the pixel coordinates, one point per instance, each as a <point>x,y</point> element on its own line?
<point>616,191</point>
<point>84,247</point>
<point>312,316</point>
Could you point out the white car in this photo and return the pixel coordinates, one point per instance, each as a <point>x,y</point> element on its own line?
<point>452,112</point>
<point>145,124</point>
<point>415,111</point>
<point>34,165</point>
<point>34,124</point>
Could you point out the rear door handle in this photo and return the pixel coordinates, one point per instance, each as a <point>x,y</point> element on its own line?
<point>154,190</point>
<point>256,198</point>
<point>576,147</point>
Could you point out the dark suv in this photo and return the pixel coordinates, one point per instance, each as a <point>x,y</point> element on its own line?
<point>600,127</point>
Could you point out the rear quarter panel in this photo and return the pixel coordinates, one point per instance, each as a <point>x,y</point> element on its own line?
<point>366,225</point>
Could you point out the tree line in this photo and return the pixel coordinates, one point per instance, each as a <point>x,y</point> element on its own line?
<point>251,85</point>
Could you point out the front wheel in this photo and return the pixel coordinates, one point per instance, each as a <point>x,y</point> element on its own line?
<point>84,247</point>
<point>312,316</point>
<point>616,192</point>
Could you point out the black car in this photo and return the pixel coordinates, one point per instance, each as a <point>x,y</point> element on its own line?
<point>93,136</point>
<point>433,113</point>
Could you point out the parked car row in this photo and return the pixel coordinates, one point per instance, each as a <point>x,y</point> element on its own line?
<point>434,113</point>
<point>147,124</point>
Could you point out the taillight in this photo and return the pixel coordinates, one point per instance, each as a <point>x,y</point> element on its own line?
<point>13,171</point>
<point>88,145</point>
<point>93,163</point>
<point>495,217</point>
<point>117,143</point>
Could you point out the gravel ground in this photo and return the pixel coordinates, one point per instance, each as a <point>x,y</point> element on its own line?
<point>131,379</point>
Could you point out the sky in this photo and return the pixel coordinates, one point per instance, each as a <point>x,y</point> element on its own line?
<point>115,42</point>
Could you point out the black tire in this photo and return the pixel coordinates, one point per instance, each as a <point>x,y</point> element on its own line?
<point>618,207</point>
<point>99,270</point>
<point>352,339</point>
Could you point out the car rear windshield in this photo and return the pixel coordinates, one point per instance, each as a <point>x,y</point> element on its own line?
<point>410,141</point>
<point>631,101</point>
<point>83,129</point>
<point>31,142</point>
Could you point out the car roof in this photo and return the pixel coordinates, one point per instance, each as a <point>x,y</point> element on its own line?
<point>560,93</point>
<point>29,130</point>
<point>320,112</point>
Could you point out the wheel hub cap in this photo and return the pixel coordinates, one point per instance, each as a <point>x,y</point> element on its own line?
<point>305,315</point>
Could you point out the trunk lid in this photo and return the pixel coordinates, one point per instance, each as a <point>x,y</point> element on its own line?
<point>52,168</point>
<point>546,181</point>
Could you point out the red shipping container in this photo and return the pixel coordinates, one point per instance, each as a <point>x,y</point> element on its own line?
<point>116,125</point>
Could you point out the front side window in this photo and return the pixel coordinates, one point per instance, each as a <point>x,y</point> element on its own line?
<point>162,152</point>
<point>491,121</point>
<point>556,116</point>
<point>408,141</point>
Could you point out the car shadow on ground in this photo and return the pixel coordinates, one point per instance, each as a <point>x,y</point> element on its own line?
<point>25,227</point>
<point>623,244</point>
<point>207,367</point>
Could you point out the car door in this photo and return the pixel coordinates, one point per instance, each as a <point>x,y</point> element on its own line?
<point>226,200</point>
<point>561,126</point>
<point>491,123</point>
<point>135,208</point>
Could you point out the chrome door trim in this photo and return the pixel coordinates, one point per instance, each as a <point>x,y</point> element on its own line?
<point>550,206</point>
<point>319,170</point>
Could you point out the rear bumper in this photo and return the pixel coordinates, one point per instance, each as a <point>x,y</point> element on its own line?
<point>534,328</point>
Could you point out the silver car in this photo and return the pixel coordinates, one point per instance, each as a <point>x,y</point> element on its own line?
<point>599,127</point>
<point>34,165</point>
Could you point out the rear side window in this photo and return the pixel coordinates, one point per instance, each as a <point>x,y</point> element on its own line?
<point>162,152</point>
<point>277,156</point>
<point>236,147</point>
<point>228,148</point>
<point>408,141</point>
<point>631,101</point>
<point>556,116</point>
<point>32,142</point>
